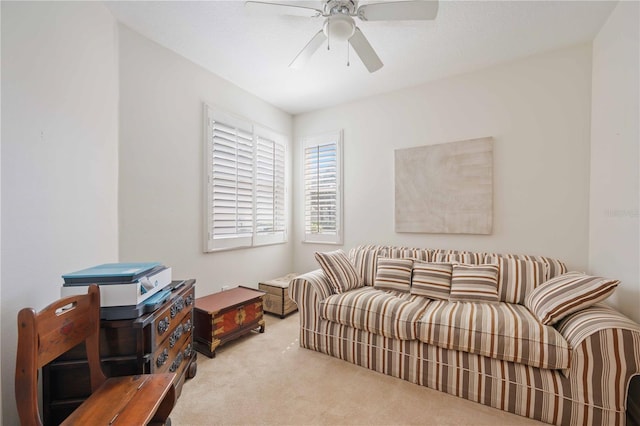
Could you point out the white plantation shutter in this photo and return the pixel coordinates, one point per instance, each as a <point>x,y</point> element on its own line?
<point>322,188</point>
<point>245,197</point>
<point>270,191</point>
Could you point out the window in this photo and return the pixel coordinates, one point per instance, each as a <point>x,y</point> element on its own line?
<point>245,174</point>
<point>323,188</point>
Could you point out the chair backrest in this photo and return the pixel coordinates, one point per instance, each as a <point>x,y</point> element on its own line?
<point>44,336</point>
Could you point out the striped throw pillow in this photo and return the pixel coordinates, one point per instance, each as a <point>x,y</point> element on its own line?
<point>474,283</point>
<point>393,274</point>
<point>432,280</point>
<point>568,293</point>
<point>339,269</point>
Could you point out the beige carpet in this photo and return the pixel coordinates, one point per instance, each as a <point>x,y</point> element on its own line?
<point>268,379</point>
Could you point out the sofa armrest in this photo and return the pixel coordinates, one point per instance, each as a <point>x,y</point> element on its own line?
<point>578,327</point>
<point>606,354</point>
<point>307,290</point>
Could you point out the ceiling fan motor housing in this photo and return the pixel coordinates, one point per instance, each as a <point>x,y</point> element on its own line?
<point>345,7</point>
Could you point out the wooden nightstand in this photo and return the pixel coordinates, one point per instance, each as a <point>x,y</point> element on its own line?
<point>224,316</point>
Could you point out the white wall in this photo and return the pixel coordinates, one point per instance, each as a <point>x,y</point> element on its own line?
<point>59,156</point>
<point>537,109</point>
<point>161,166</point>
<point>614,228</point>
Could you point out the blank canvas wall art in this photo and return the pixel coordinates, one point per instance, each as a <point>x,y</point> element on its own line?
<point>445,188</point>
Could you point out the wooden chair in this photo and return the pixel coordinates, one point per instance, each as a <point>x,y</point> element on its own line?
<point>43,336</point>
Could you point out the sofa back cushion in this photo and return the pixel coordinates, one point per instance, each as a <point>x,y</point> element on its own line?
<point>498,330</point>
<point>423,255</point>
<point>517,278</point>
<point>454,256</point>
<point>555,267</point>
<point>474,283</point>
<point>432,280</point>
<point>393,274</point>
<point>365,261</point>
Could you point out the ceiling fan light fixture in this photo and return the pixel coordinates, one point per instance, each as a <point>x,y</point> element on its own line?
<point>339,27</point>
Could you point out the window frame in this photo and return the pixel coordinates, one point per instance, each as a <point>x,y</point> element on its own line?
<point>334,137</point>
<point>254,238</point>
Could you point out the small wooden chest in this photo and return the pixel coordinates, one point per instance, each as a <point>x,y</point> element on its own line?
<point>277,300</point>
<point>225,316</point>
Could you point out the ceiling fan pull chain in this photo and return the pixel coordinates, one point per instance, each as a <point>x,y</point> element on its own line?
<point>348,63</point>
<point>328,35</point>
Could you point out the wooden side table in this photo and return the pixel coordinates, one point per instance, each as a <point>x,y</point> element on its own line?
<point>227,315</point>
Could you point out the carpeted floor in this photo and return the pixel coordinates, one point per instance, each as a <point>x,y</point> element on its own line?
<point>267,379</point>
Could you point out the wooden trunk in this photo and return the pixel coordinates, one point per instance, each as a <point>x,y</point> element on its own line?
<point>158,342</point>
<point>225,316</point>
<point>277,300</point>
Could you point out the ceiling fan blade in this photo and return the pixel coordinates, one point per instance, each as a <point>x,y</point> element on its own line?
<point>364,50</point>
<point>308,51</point>
<point>264,7</point>
<point>417,10</point>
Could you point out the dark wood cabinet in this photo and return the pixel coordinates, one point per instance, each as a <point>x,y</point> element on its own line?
<point>157,342</point>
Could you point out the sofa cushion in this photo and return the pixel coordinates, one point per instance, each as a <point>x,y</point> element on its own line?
<point>339,269</point>
<point>365,261</point>
<point>498,330</point>
<point>555,267</point>
<point>432,280</point>
<point>394,274</point>
<point>457,256</point>
<point>518,278</point>
<point>568,293</point>
<point>409,253</point>
<point>474,283</point>
<point>466,258</point>
<point>388,313</point>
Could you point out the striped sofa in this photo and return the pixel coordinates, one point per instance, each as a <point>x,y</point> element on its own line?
<point>576,372</point>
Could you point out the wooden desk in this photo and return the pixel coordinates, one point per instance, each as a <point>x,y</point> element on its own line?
<point>225,316</point>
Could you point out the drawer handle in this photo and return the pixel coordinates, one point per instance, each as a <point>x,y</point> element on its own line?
<point>176,363</point>
<point>175,336</point>
<point>187,326</point>
<point>177,307</point>
<point>187,351</point>
<point>163,325</point>
<point>189,300</point>
<point>162,358</point>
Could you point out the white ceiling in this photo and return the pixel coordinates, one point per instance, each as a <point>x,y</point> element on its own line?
<point>254,51</point>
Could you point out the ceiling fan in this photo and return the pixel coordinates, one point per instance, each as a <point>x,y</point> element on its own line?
<point>339,23</point>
